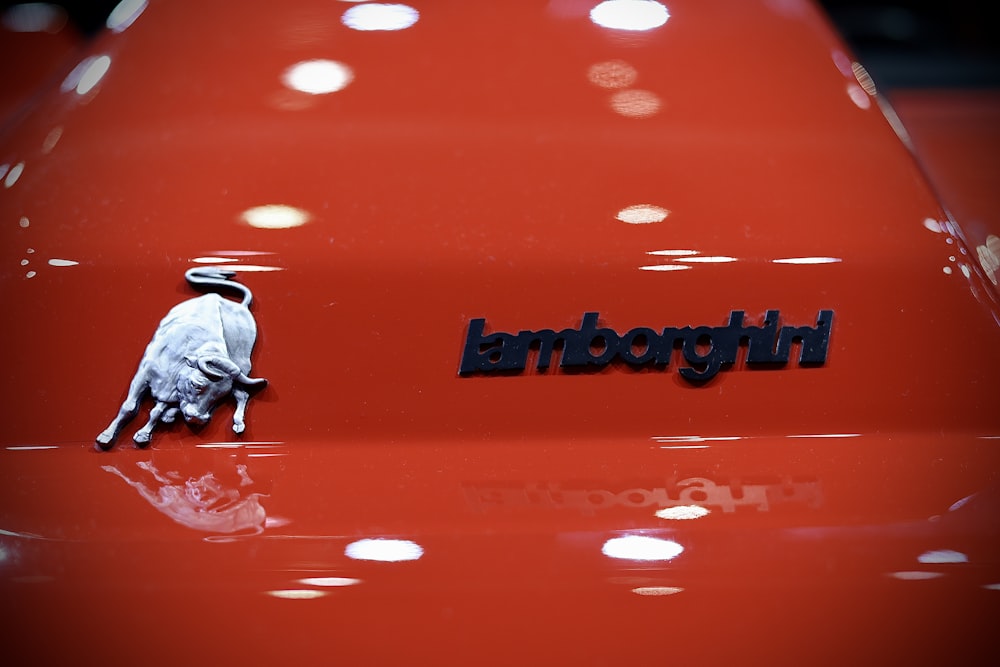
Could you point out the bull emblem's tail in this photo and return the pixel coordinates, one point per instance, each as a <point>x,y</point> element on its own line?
<point>199,354</point>
<point>217,277</point>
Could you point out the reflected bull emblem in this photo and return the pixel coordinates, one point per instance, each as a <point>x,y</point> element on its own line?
<point>199,354</point>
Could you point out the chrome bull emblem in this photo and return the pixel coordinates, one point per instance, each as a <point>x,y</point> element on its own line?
<point>199,354</point>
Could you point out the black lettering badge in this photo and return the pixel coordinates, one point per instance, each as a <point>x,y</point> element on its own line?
<point>705,349</point>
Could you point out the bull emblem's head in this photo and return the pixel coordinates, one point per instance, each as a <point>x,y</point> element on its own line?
<point>199,354</point>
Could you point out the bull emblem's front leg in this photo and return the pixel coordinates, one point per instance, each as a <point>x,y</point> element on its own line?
<point>138,387</point>
<point>143,435</point>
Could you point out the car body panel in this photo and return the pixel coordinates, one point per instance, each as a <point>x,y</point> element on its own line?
<point>821,513</point>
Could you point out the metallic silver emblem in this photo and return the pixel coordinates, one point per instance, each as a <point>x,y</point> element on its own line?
<point>199,354</point>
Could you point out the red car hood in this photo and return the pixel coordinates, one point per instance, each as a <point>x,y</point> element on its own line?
<point>380,191</point>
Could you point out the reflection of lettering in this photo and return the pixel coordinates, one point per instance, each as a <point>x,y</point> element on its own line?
<point>758,495</point>
<point>202,503</point>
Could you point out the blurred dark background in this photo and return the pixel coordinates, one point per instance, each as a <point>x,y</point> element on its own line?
<point>922,44</point>
<point>902,43</point>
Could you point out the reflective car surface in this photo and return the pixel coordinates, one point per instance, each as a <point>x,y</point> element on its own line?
<point>593,333</point>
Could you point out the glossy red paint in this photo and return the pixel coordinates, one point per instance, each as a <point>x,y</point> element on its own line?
<point>457,173</point>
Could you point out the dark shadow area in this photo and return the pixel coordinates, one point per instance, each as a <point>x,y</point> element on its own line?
<point>921,44</point>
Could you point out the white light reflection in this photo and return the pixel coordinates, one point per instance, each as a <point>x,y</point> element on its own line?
<point>657,590</point>
<point>612,74</point>
<point>915,575</point>
<point>859,96</point>
<point>942,556</point>
<point>318,77</point>
<point>642,214</point>
<point>384,550</point>
<point>629,14</point>
<point>87,74</point>
<point>683,512</point>
<point>329,582</point>
<point>51,139</point>
<point>673,253</point>
<point>807,260</point>
<point>214,260</point>
<point>636,103</point>
<point>378,16</point>
<point>252,268</point>
<point>34,17</point>
<point>30,448</point>
<point>825,435</point>
<point>12,176</point>
<point>864,78</point>
<point>297,594</point>
<point>275,216</point>
<point>717,259</point>
<point>93,74</point>
<point>695,438</point>
<point>664,267</point>
<point>641,547</point>
<point>24,223</point>
<point>992,587</point>
<point>933,225</point>
<point>62,262</point>
<point>125,14</point>
<point>684,446</point>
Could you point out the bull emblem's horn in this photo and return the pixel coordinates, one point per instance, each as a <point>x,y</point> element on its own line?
<point>245,379</point>
<point>216,368</point>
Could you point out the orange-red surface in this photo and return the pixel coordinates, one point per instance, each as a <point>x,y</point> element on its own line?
<point>482,163</point>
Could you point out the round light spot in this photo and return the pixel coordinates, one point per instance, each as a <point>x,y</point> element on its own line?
<point>947,270</point>
<point>612,74</point>
<point>24,222</point>
<point>641,547</point>
<point>683,512</point>
<point>384,550</point>
<point>275,216</point>
<point>317,77</point>
<point>24,262</point>
<point>379,16</point>
<point>629,14</point>
<point>30,274</point>
<point>642,214</point>
<point>635,103</point>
